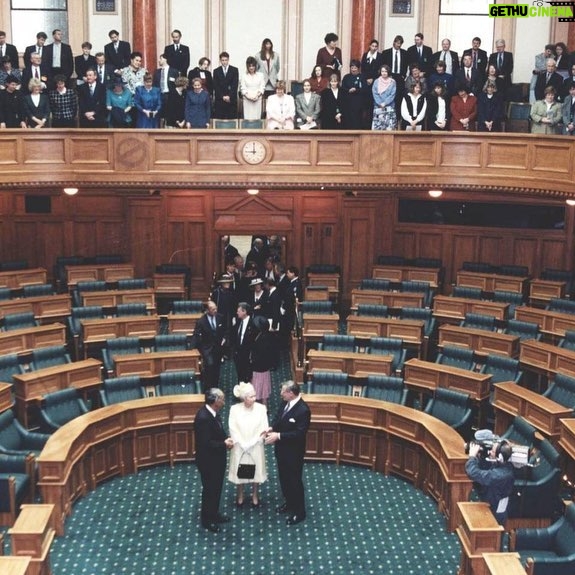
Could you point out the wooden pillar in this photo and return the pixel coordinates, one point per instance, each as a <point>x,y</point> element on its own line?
<point>362,26</point>
<point>144,31</point>
<point>571,36</point>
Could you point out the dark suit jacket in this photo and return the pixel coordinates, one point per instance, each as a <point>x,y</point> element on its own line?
<point>66,59</point>
<point>243,350</point>
<point>29,51</point>
<point>556,81</point>
<point>272,308</point>
<point>292,427</point>
<point>424,61</point>
<point>95,103</point>
<point>506,68</point>
<point>119,59</point>
<point>208,82</point>
<point>371,69</point>
<point>210,447</point>
<point>178,59</point>
<point>226,85</point>
<point>29,110</point>
<point>387,58</point>
<point>172,75</point>
<point>208,341</point>
<point>475,85</point>
<point>454,61</point>
<point>109,75</point>
<point>12,52</point>
<point>82,65</point>
<point>481,60</point>
<point>27,76</point>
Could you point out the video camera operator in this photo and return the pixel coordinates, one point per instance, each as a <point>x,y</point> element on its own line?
<point>493,475</point>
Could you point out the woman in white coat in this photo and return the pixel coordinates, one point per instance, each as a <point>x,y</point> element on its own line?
<point>247,423</point>
<point>280,109</point>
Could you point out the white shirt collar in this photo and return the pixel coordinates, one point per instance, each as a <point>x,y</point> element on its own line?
<point>211,410</point>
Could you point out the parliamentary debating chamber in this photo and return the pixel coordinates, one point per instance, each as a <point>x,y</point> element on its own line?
<point>438,269</point>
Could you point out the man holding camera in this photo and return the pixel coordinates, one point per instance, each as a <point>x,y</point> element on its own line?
<point>493,475</point>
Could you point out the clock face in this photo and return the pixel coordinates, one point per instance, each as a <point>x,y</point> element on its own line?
<point>253,152</point>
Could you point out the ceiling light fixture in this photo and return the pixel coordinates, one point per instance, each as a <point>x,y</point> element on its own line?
<point>435,193</point>
<point>70,191</point>
<point>570,202</point>
<point>253,191</point>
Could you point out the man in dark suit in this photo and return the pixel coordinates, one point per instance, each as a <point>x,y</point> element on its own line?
<point>226,83</point>
<point>92,102</point>
<point>41,38</point>
<point>164,78</point>
<point>83,63</point>
<point>104,72</point>
<point>447,55</point>
<point>177,54</point>
<point>117,52</point>
<point>8,50</point>
<point>35,70</point>
<point>478,58</point>
<point>211,445</point>
<point>503,62</point>
<point>550,78</point>
<point>210,337</point>
<point>420,54</point>
<point>397,60</point>
<point>288,434</point>
<point>469,77</point>
<point>58,56</point>
<point>244,334</point>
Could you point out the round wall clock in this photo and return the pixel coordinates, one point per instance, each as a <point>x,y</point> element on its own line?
<point>253,152</point>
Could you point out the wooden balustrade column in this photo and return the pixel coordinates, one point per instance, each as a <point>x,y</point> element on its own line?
<point>362,28</point>
<point>144,32</point>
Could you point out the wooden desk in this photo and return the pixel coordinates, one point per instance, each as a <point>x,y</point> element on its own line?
<point>113,298</point>
<point>542,413</point>
<point>546,358</point>
<point>5,396</point>
<point>503,564</point>
<point>30,387</point>
<point>409,330</point>
<point>32,535</point>
<point>154,363</point>
<point>398,274</point>
<point>567,444</point>
<point>331,281</point>
<point>551,322</point>
<point>541,291</point>
<point>425,376</point>
<point>43,307</point>
<point>389,298</point>
<point>183,322</point>
<point>491,282</point>
<point>478,533</point>
<point>10,565</point>
<point>481,341</point>
<point>98,272</point>
<point>19,278</point>
<point>170,285</point>
<point>354,364</point>
<point>26,340</point>
<point>316,294</point>
<point>316,324</point>
<point>448,307</point>
<point>99,330</point>
<point>385,437</point>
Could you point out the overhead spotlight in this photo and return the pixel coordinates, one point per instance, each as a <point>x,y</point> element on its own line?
<point>570,202</point>
<point>322,188</point>
<point>70,191</point>
<point>253,191</point>
<point>435,193</point>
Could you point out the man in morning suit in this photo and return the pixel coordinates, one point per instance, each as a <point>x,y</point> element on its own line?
<point>8,50</point>
<point>420,54</point>
<point>117,52</point>
<point>288,434</point>
<point>226,82</point>
<point>210,336</point>
<point>211,445</point>
<point>177,54</point>
<point>244,333</point>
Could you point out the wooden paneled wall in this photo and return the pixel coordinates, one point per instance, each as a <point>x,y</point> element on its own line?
<point>184,226</point>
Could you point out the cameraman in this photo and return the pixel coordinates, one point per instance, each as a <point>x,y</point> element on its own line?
<point>494,477</point>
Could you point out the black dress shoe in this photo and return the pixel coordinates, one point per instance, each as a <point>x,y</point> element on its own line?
<point>294,519</point>
<point>222,518</point>
<point>213,527</point>
<point>282,508</point>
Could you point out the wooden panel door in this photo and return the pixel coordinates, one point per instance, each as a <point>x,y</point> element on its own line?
<point>146,238</point>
